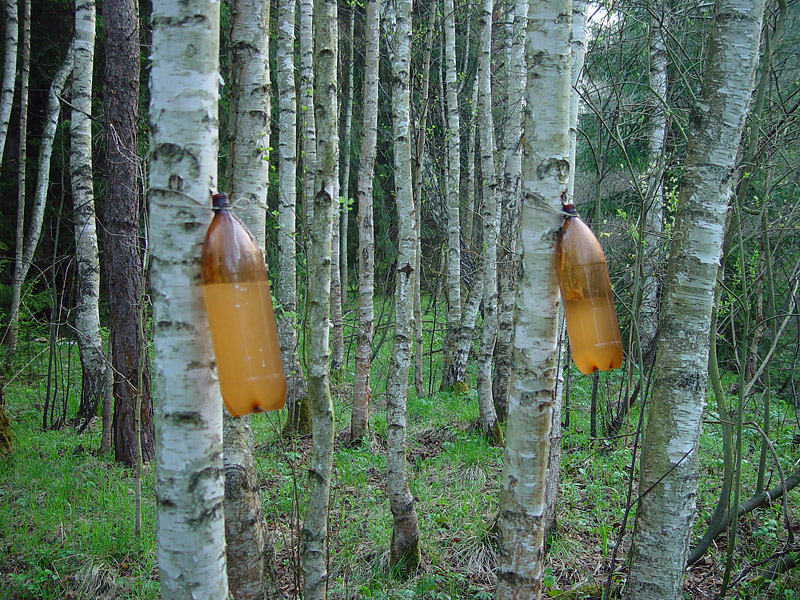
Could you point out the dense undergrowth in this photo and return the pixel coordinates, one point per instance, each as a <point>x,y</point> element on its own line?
<point>66,511</point>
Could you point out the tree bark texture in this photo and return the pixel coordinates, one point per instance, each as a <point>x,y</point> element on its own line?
<point>405,551</point>
<point>286,291</point>
<point>25,72</point>
<point>366,228</point>
<point>669,456</point>
<point>188,416</point>
<point>489,217</point>
<point>9,69</point>
<point>545,174</point>
<point>453,145</point>
<point>654,198</point>
<point>315,527</point>
<point>346,155</point>
<point>122,243</point>
<point>419,157</point>
<point>87,297</point>
<point>249,129</point>
<point>21,267</point>
<point>308,136</point>
<point>507,248</point>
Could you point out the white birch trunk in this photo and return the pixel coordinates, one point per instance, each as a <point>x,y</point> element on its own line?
<point>25,71</point>
<point>545,174</point>
<point>453,144</point>
<point>188,413</point>
<point>508,253</point>
<point>286,291</point>
<point>346,154</point>
<point>87,315</point>
<point>366,229</point>
<point>669,471</point>
<point>578,47</point>
<point>405,551</point>
<point>9,70</point>
<point>249,128</point>
<point>419,153</point>
<point>489,425</point>
<point>308,137</point>
<point>21,267</point>
<point>315,526</point>
<point>654,199</point>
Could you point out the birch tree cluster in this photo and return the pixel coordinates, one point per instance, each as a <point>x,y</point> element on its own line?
<point>404,168</point>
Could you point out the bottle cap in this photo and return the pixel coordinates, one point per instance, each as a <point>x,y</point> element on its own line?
<point>220,201</point>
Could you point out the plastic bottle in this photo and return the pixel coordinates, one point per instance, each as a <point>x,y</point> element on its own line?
<point>586,292</point>
<point>240,315</point>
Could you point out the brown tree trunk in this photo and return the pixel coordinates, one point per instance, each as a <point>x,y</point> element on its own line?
<point>123,253</point>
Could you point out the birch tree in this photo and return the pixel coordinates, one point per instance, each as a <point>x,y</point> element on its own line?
<point>123,252</point>
<point>9,70</point>
<point>653,208</point>
<point>366,229</point>
<point>419,157</point>
<point>184,94</point>
<point>405,551</point>
<point>346,158</point>
<point>249,130</point>
<point>545,173</point>
<point>87,314</point>
<point>453,144</point>
<point>315,526</point>
<point>286,292</point>
<point>308,138</point>
<point>507,250</point>
<point>489,424</point>
<point>23,264</point>
<point>669,470</point>
<point>25,71</point>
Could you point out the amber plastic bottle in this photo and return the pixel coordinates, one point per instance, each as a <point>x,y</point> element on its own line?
<point>240,315</point>
<point>586,292</point>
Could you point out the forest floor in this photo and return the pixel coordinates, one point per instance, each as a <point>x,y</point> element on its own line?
<point>67,530</point>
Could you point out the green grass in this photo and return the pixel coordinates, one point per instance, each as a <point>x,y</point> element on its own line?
<point>66,512</point>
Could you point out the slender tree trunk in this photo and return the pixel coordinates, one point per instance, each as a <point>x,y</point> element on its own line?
<point>669,456</point>
<point>286,291</point>
<point>507,250</point>
<point>188,416</point>
<point>22,266</point>
<point>545,177</point>
<point>87,314</point>
<point>315,526</point>
<point>654,199</point>
<point>419,154</point>
<point>346,158</point>
<point>122,245</point>
<point>9,70</point>
<point>22,160</point>
<point>489,423</point>
<point>246,535</point>
<point>308,146</point>
<point>453,145</point>
<point>337,331</point>
<point>405,551</point>
<point>366,232</point>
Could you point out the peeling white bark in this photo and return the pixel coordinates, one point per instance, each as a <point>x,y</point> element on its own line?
<point>545,171</point>
<point>315,526</point>
<point>669,457</point>
<point>453,143</point>
<point>366,229</point>
<point>87,314</point>
<point>188,412</point>
<point>9,70</point>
